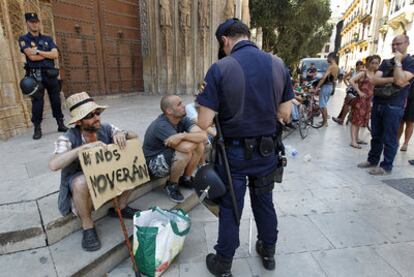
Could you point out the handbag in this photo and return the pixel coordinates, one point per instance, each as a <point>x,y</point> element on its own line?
<point>351,95</point>
<point>386,91</point>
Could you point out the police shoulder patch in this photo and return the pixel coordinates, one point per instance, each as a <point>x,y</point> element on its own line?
<point>202,86</point>
<point>22,43</point>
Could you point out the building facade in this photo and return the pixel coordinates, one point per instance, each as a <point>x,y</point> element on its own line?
<point>360,33</point>
<point>397,17</point>
<point>370,26</point>
<point>113,46</point>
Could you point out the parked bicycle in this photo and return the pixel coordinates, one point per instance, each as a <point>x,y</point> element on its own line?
<point>309,110</point>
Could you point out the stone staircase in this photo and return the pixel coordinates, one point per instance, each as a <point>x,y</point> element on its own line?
<point>37,226</point>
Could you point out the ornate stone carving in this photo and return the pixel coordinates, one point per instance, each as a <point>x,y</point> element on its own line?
<point>46,15</point>
<point>143,9</point>
<point>185,15</point>
<point>229,9</point>
<point>165,15</point>
<point>31,6</point>
<point>203,14</point>
<point>2,26</point>
<point>16,18</point>
<point>184,9</point>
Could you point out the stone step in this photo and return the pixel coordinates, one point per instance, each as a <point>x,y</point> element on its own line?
<point>21,227</point>
<point>67,258</point>
<point>38,223</point>
<point>113,250</point>
<point>57,226</point>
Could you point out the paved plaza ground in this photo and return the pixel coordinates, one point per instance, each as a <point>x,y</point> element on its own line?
<point>334,219</point>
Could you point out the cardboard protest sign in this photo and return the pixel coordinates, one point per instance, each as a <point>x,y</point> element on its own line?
<point>111,171</point>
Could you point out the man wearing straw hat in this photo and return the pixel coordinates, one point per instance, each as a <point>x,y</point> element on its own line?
<point>87,132</point>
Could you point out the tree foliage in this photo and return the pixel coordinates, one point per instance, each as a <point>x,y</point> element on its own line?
<point>292,28</point>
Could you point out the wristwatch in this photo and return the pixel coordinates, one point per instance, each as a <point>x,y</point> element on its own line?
<point>398,64</point>
<point>37,51</point>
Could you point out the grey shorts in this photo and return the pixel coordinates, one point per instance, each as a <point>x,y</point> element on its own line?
<point>160,165</point>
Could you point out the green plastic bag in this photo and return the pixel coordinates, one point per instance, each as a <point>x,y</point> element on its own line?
<point>158,238</point>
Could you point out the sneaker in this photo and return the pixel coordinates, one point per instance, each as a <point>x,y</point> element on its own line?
<point>379,171</point>
<point>338,120</point>
<point>173,192</point>
<point>127,212</point>
<point>186,182</point>
<point>90,240</point>
<point>366,164</point>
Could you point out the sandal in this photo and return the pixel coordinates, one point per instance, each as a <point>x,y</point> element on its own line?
<point>355,146</point>
<point>90,240</point>
<point>362,142</point>
<point>337,120</point>
<point>404,147</point>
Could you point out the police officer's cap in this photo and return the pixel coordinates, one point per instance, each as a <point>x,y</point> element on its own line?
<point>31,17</point>
<point>221,29</point>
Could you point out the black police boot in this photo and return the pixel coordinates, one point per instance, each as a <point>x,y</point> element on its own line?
<point>218,266</point>
<point>37,132</point>
<point>267,254</point>
<point>61,125</point>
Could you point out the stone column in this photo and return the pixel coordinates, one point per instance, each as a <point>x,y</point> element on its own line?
<point>178,42</point>
<point>14,115</point>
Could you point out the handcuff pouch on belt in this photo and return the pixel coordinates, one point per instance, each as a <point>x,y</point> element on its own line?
<point>265,145</point>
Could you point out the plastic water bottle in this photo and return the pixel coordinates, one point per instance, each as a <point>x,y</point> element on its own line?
<point>307,158</point>
<point>291,151</point>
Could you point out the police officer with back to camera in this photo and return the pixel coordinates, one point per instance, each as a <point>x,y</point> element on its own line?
<point>251,92</point>
<point>40,52</point>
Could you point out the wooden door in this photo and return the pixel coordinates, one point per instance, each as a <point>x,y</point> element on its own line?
<point>99,46</point>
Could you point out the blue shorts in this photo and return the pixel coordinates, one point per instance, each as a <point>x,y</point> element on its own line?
<point>324,94</point>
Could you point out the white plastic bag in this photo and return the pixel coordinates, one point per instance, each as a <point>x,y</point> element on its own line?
<point>158,238</point>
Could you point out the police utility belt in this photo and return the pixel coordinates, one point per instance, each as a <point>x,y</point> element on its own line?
<point>36,72</point>
<point>265,146</point>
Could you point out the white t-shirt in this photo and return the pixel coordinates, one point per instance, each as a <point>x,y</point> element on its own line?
<point>191,111</point>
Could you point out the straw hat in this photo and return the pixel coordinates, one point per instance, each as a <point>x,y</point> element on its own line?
<point>80,104</point>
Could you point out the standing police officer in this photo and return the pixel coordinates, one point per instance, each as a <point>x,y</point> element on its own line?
<point>41,51</point>
<point>250,90</point>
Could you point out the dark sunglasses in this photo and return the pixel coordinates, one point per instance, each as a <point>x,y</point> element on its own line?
<point>92,115</point>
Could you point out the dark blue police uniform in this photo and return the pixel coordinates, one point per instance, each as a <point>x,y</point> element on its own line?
<point>245,88</point>
<point>386,117</point>
<point>42,43</point>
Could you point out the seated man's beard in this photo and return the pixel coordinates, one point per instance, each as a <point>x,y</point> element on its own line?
<point>90,128</point>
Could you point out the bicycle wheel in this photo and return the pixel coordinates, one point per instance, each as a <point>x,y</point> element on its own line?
<point>303,122</point>
<point>313,122</point>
